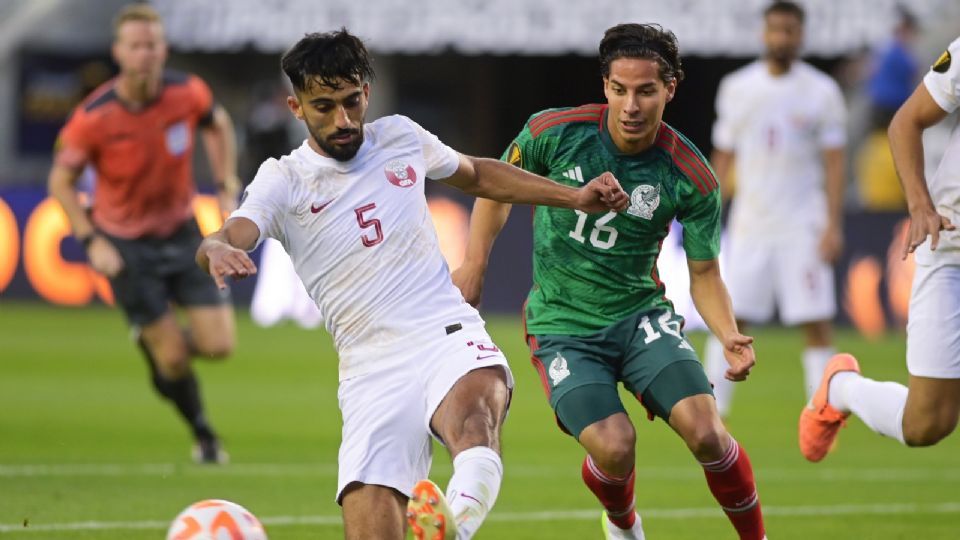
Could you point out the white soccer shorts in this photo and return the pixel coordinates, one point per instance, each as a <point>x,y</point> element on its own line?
<point>933,327</point>
<point>386,414</point>
<point>788,276</point>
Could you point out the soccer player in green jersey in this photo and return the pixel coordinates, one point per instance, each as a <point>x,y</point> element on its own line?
<point>597,314</point>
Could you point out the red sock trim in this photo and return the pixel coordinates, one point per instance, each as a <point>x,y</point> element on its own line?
<point>615,494</point>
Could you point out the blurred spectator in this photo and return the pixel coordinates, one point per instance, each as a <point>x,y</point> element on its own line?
<point>894,72</point>
<point>890,82</point>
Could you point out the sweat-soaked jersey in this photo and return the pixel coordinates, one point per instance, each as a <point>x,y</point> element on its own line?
<point>590,271</point>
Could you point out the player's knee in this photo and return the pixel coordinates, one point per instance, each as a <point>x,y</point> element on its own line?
<point>707,442</point>
<point>172,362</point>
<point>616,452</point>
<point>215,348</point>
<point>929,432</point>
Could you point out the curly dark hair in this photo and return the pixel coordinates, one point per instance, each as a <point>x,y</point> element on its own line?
<point>327,59</point>
<point>649,41</point>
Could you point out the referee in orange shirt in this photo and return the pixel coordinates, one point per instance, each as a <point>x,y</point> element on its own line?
<point>136,131</point>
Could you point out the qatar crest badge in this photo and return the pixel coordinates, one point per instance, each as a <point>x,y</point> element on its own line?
<point>400,174</point>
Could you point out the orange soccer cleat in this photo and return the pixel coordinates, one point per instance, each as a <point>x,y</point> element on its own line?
<point>428,514</point>
<point>820,421</point>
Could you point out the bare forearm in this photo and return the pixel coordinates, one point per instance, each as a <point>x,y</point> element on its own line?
<point>835,185</point>
<point>906,144</point>
<point>221,146</point>
<point>712,301</point>
<point>486,222</point>
<point>62,187</point>
<point>505,183</point>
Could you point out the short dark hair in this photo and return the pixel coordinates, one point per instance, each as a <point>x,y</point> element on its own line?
<point>649,41</point>
<point>787,8</point>
<point>327,59</point>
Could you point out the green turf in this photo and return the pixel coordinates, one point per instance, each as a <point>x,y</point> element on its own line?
<point>83,439</point>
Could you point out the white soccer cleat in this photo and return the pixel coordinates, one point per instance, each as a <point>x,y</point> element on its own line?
<point>612,532</point>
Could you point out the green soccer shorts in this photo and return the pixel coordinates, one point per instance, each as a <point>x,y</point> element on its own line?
<point>646,351</point>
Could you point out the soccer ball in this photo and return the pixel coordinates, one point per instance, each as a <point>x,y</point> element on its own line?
<point>216,519</point>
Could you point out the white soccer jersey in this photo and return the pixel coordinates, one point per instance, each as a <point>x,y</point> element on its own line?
<point>777,127</point>
<point>943,83</point>
<point>360,237</point>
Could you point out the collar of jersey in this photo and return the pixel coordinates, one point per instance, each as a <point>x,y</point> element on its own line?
<point>611,147</point>
<point>318,159</point>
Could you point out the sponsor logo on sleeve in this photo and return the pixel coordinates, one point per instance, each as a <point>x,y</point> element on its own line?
<point>514,157</point>
<point>943,63</point>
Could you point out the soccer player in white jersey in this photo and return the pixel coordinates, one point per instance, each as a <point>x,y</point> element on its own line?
<point>926,411</point>
<point>780,123</point>
<point>415,361</point>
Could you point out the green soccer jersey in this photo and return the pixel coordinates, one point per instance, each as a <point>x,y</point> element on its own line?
<point>590,271</point>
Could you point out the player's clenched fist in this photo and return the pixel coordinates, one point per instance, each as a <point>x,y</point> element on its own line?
<point>738,350</point>
<point>226,260</point>
<point>603,193</point>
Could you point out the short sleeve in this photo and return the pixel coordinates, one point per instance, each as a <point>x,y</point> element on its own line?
<point>76,141</point>
<point>833,123</point>
<point>266,200</point>
<point>699,213</point>
<point>943,79</point>
<point>441,160</point>
<point>724,133</point>
<point>202,100</point>
<point>526,152</point>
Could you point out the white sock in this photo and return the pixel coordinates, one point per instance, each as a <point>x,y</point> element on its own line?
<point>715,366</point>
<point>814,361</point>
<point>474,487</point>
<point>879,404</point>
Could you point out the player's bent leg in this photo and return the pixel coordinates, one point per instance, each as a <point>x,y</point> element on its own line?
<point>610,443</point>
<point>167,351</point>
<point>468,421</point>
<point>166,346</point>
<point>472,412</point>
<point>932,410</point>
<point>373,511</point>
<point>212,331</point>
<point>594,414</point>
<point>726,465</point>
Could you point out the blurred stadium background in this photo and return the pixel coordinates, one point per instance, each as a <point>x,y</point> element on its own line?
<point>87,452</point>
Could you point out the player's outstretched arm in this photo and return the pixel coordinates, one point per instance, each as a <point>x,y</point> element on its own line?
<point>713,303</point>
<point>918,113</point>
<point>500,181</point>
<point>224,253</point>
<point>486,222</point>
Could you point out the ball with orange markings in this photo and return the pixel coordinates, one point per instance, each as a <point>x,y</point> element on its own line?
<point>216,519</point>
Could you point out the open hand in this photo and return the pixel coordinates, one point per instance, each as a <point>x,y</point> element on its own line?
<point>923,223</point>
<point>226,260</point>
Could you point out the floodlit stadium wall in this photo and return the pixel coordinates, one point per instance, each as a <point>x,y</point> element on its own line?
<point>40,260</point>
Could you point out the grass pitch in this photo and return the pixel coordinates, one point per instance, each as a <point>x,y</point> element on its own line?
<point>87,451</point>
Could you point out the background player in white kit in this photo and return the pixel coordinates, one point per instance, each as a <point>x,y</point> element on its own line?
<point>781,121</point>
<point>927,411</point>
<point>415,360</point>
